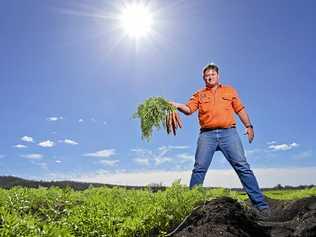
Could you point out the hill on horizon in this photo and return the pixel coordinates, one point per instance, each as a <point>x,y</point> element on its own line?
<point>8,182</point>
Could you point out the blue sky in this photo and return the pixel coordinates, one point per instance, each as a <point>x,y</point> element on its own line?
<point>70,83</point>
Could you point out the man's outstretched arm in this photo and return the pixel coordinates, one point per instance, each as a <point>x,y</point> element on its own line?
<point>243,115</point>
<point>181,107</point>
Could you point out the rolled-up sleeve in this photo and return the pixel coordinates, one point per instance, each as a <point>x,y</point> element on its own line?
<point>193,102</point>
<point>237,103</point>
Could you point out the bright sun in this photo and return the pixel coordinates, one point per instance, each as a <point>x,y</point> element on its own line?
<point>136,20</point>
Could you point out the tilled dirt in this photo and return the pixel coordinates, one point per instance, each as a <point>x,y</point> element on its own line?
<point>226,217</point>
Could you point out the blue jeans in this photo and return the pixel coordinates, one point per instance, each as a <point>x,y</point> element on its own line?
<point>228,142</point>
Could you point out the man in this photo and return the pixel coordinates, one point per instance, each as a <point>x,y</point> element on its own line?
<point>217,104</point>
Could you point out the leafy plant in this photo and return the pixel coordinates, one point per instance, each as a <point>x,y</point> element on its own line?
<point>152,114</point>
<point>156,112</point>
<point>52,212</point>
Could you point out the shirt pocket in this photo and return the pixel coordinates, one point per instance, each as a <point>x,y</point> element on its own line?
<point>205,104</point>
<point>227,102</point>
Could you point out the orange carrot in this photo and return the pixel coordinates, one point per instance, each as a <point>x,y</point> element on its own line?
<point>170,122</point>
<point>174,119</point>
<point>180,124</point>
<point>174,125</point>
<point>167,124</point>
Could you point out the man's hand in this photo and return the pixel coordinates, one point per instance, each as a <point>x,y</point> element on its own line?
<point>246,121</point>
<point>249,131</point>
<point>175,104</point>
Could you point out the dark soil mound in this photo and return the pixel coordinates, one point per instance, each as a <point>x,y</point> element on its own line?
<point>226,217</point>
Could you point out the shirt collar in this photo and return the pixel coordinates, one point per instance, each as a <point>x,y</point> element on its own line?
<point>219,86</point>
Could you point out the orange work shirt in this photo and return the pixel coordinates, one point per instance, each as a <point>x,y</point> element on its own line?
<point>216,109</point>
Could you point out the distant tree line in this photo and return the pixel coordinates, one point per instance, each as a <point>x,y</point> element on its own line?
<point>8,182</point>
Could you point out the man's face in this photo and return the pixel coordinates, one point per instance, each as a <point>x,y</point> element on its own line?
<point>211,78</point>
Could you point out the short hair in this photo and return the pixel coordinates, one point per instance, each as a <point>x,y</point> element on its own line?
<point>211,66</point>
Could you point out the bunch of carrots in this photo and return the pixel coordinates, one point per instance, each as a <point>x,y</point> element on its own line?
<point>157,112</point>
<point>173,122</point>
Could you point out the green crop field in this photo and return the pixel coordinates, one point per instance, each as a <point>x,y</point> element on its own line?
<point>108,211</point>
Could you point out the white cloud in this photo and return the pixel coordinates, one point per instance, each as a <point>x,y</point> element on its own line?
<point>253,151</point>
<point>71,142</point>
<point>143,153</point>
<point>170,147</point>
<point>142,161</point>
<point>58,161</point>
<point>283,147</point>
<point>20,146</point>
<point>271,142</point>
<point>80,120</point>
<point>33,156</point>
<point>145,156</point>
<point>102,171</point>
<point>267,177</point>
<point>47,143</point>
<point>140,150</point>
<point>161,160</point>
<point>109,162</point>
<point>105,123</point>
<point>179,147</point>
<point>185,157</point>
<point>54,118</point>
<point>27,139</point>
<point>102,153</point>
